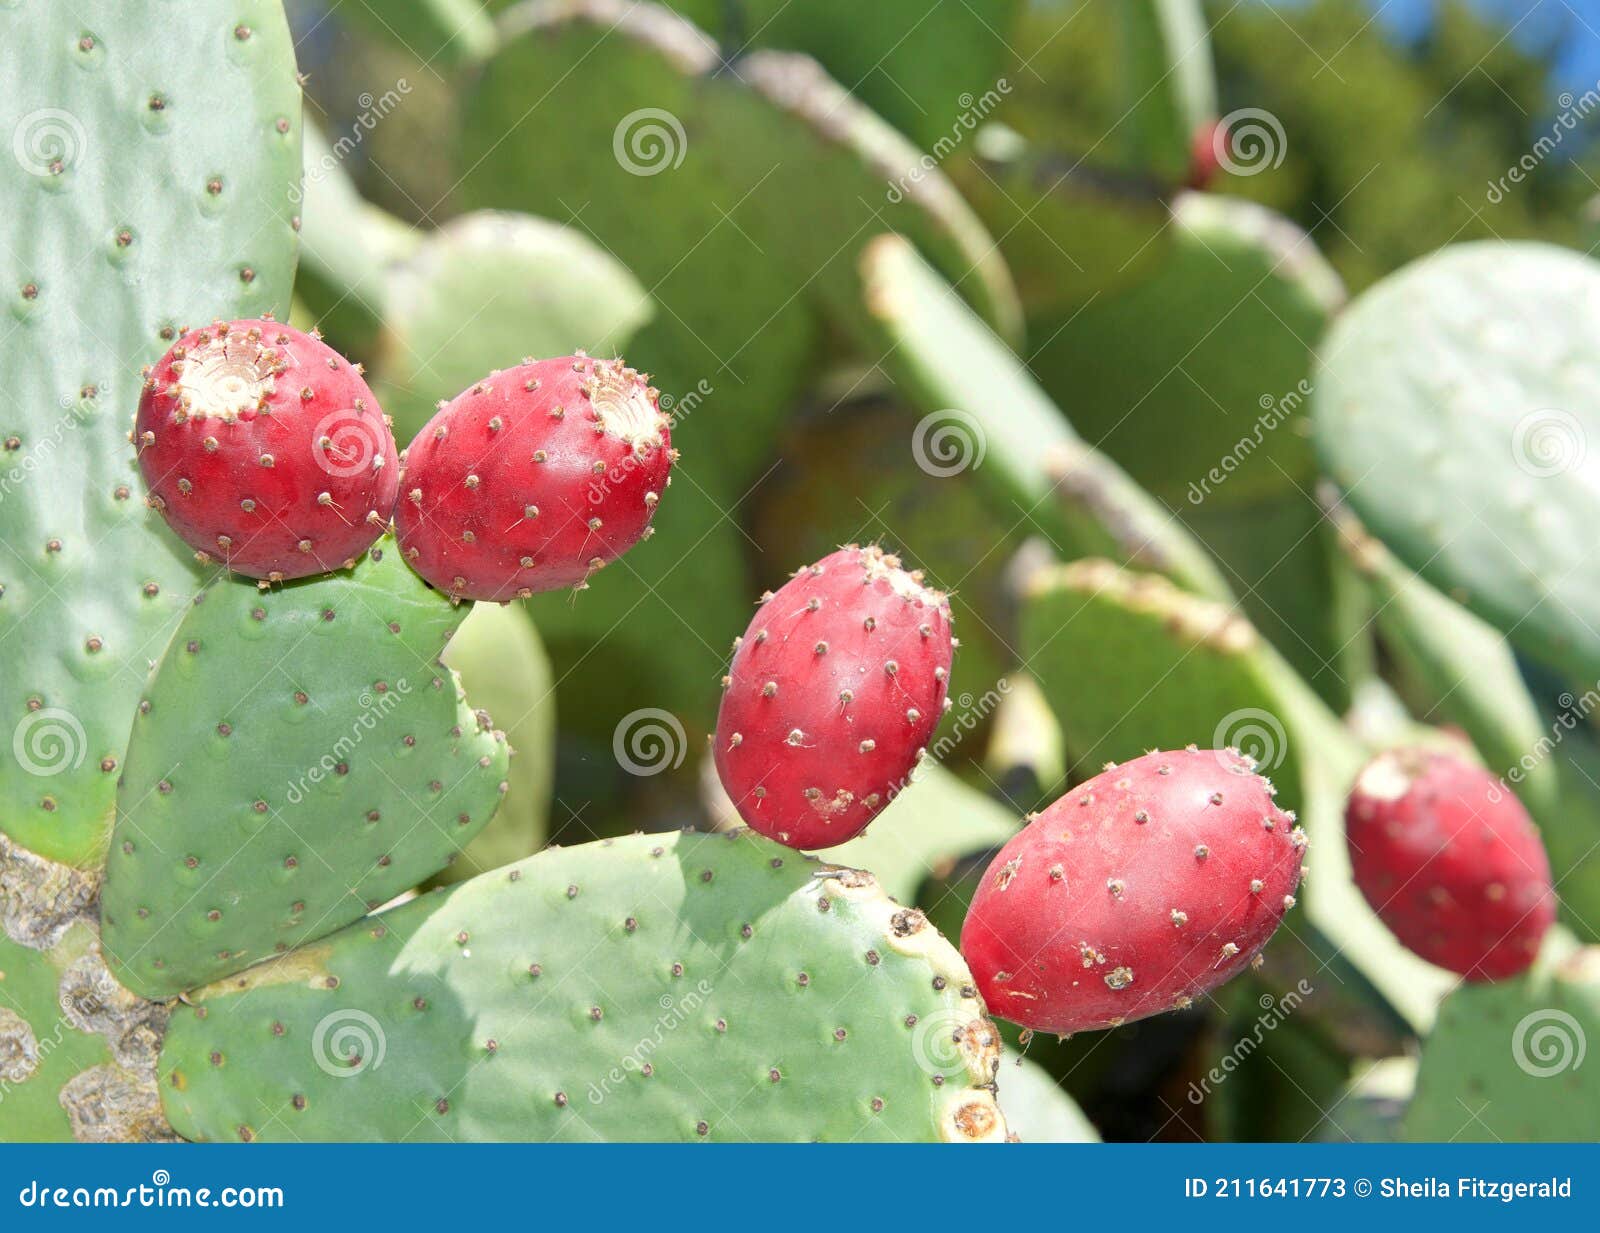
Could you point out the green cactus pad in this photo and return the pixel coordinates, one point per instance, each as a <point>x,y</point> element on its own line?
<point>1038,1109</point>
<point>1086,633</point>
<point>1456,407</point>
<point>996,421</point>
<point>614,150</point>
<point>1294,585</point>
<point>1069,231</point>
<point>299,758</point>
<point>1169,82</point>
<point>1506,1062</point>
<point>1128,662</point>
<point>442,33</point>
<point>667,987</point>
<point>929,70</point>
<point>1156,373</point>
<point>147,186</point>
<point>488,289</point>
<point>40,1051</point>
<point>505,671</point>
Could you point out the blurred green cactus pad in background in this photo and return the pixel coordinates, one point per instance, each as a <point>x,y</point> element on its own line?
<point>1458,408</point>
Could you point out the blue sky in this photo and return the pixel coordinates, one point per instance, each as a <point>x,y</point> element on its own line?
<point>1575,22</point>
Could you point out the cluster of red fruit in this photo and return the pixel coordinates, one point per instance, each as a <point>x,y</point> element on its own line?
<point>265,450</point>
<point>1135,893</point>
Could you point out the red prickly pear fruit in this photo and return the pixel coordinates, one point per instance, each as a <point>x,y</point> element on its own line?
<point>834,691</point>
<point>264,449</point>
<point>534,478</point>
<point>1206,144</point>
<point>1450,861</point>
<point>1136,892</point>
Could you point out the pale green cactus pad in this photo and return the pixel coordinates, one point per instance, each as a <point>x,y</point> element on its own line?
<point>1038,1109</point>
<point>123,152</point>
<point>665,987</point>
<point>486,290</point>
<point>1508,1061</point>
<point>1456,406</point>
<point>504,670</point>
<point>299,758</point>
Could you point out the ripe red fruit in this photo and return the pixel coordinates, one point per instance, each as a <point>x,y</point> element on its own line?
<point>263,448</point>
<point>1205,143</point>
<point>1136,892</point>
<point>834,691</point>
<point>1451,862</point>
<point>534,478</point>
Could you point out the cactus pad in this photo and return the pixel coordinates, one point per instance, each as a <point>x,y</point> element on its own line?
<point>128,151</point>
<point>1007,430</point>
<point>659,986</point>
<point>1506,1060</point>
<point>488,289</point>
<point>1456,407</point>
<point>299,758</point>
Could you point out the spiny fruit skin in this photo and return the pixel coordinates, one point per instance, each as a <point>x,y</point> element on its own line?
<point>1451,862</point>
<point>834,691</point>
<point>534,478</point>
<point>264,449</point>
<point>1136,892</point>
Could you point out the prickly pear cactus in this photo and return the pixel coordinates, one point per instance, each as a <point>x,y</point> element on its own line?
<point>1455,406</point>
<point>1152,372</point>
<point>1505,1062</point>
<point>299,758</point>
<point>655,987</point>
<point>150,188</point>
